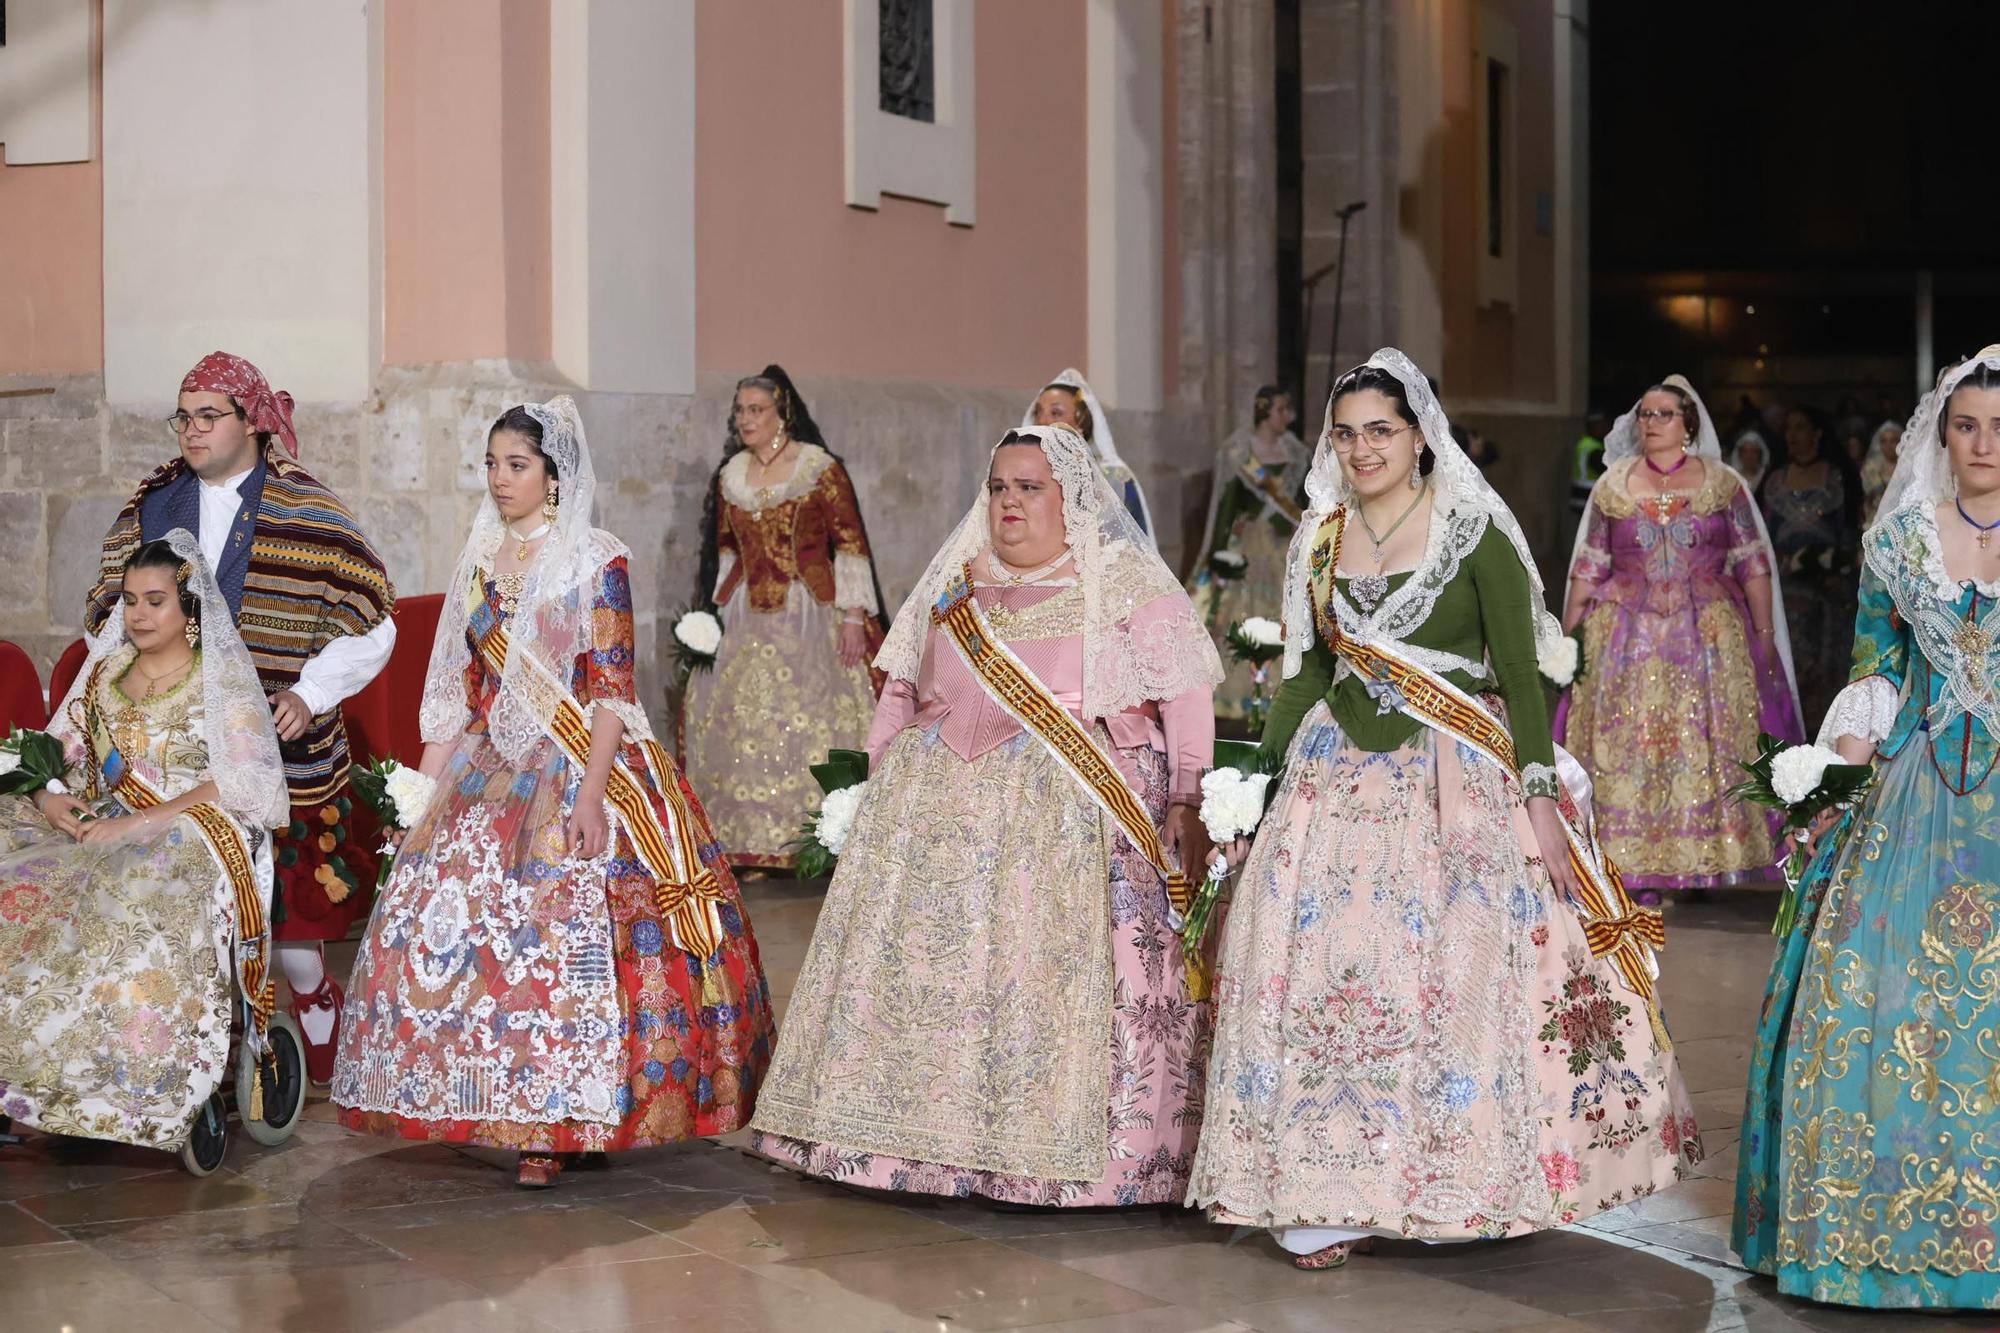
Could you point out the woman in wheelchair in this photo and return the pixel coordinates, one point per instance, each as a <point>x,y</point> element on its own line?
<point>132,901</point>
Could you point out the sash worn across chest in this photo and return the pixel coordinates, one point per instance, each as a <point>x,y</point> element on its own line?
<point>686,891</point>
<point>1613,924</point>
<point>1009,682</point>
<point>226,846</point>
<point>1264,483</point>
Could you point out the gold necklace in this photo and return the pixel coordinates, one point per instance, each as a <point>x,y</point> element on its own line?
<point>1380,541</point>
<point>153,681</point>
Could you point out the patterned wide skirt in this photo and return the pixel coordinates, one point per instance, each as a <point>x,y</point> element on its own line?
<point>776,700</point>
<point>993,1003</point>
<point>114,989</point>
<point>510,995</point>
<point>1412,1036</point>
<point>1870,1170</point>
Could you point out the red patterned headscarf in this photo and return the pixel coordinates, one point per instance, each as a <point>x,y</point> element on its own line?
<point>221,372</point>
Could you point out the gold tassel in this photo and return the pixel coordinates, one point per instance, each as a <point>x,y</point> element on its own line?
<point>257,1087</point>
<point>1197,978</point>
<point>711,990</point>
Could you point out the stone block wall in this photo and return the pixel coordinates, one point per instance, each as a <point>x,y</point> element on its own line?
<point>407,461</point>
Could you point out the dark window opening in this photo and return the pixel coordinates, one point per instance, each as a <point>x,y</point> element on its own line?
<point>908,64</point>
<point>1496,165</point>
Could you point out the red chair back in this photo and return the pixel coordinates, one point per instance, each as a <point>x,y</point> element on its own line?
<point>64,674</point>
<point>383,719</point>
<point>22,703</point>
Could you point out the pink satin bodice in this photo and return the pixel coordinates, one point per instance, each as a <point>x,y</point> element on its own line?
<point>947,695</point>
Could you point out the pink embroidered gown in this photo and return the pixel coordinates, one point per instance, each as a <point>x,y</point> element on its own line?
<point>993,1002</point>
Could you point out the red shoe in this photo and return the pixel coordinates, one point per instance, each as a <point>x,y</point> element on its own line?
<point>319,1054</point>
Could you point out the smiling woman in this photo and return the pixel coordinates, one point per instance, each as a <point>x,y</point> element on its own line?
<point>1048,709</point>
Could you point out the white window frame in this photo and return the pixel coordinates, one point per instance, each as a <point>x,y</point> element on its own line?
<point>935,162</point>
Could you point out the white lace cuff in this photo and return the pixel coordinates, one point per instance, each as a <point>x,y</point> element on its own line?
<point>637,727</point>
<point>853,583</point>
<point>723,569</point>
<point>1865,709</point>
<point>1538,780</point>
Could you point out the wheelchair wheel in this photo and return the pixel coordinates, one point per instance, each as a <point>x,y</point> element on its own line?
<point>284,1076</point>
<point>208,1142</point>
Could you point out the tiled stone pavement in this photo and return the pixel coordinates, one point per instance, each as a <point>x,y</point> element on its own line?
<point>333,1232</point>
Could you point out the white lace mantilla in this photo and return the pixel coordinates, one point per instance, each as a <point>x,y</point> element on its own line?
<point>813,461</point>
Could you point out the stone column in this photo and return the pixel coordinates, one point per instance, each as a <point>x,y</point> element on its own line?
<point>1348,107</point>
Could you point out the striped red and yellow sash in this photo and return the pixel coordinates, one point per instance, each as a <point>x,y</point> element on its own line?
<point>686,891</point>
<point>1015,688</point>
<point>225,843</point>
<point>1265,486</point>
<point>1614,926</point>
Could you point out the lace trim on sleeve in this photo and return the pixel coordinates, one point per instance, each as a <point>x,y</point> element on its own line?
<point>637,727</point>
<point>854,584</point>
<point>1538,779</point>
<point>725,566</point>
<point>1865,709</point>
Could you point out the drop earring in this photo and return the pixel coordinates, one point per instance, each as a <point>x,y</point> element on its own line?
<point>193,631</point>
<point>549,505</point>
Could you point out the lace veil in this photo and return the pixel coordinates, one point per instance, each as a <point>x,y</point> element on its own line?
<point>1100,443</point>
<point>551,625</point>
<point>243,758</point>
<point>1124,664</point>
<point>1465,505</point>
<point>1903,540</point>
<point>1622,442</point>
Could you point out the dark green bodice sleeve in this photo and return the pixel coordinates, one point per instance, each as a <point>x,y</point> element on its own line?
<point>1486,614</point>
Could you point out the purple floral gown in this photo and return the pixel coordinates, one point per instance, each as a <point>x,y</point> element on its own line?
<point>1676,684</point>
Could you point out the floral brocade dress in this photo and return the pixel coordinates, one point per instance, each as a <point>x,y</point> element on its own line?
<point>513,995</point>
<point>1676,683</point>
<point>794,559</point>
<point>1412,1034</point>
<point>1870,1169</point>
<point>115,971</point>
<point>1254,513</point>
<point>994,1002</point>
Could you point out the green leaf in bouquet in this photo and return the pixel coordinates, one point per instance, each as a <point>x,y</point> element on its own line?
<point>843,768</point>
<point>1243,756</point>
<point>41,761</point>
<point>810,858</point>
<point>372,786</point>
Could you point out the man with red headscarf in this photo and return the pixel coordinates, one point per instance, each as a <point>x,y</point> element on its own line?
<point>313,603</point>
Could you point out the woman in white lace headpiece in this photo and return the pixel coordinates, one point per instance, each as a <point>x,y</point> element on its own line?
<point>559,961</point>
<point>1253,513</point>
<point>1878,466</point>
<point>994,1002</point>
<point>1685,656</point>
<point>134,901</point>
<point>1068,400</point>
<point>1426,948</point>
<point>1872,1076</point>
<point>1751,457</point>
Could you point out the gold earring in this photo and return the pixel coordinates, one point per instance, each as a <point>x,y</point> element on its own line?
<point>193,631</point>
<point>549,506</point>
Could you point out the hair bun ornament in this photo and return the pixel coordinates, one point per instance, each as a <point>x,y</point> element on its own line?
<point>185,572</point>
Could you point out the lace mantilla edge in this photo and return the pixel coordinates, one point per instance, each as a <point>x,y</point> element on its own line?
<point>736,487</point>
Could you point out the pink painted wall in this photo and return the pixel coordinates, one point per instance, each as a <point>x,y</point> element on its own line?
<point>52,257</point>
<point>465,167</point>
<point>789,272</point>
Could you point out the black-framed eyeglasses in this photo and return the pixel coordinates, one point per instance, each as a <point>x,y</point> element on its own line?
<point>203,421</point>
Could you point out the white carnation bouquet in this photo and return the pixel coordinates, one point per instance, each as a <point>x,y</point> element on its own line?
<point>1561,660</point>
<point>697,639</point>
<point>823,837</point>
<point>1257,641</point>
<point>397,794</point>
<point>1233,796</point>
<point>1802,782</point>
<point>1227,564</point>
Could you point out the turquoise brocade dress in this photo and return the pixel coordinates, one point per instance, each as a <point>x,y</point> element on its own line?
<point>1870,1172</point>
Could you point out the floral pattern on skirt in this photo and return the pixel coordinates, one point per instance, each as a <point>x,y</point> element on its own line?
<point>904,1068</point>
<point>1870,1172</point>
<point>1411,1032</point>
<point>114,998</point>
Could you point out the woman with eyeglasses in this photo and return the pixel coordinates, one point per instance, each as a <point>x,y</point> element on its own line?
<point>786,566</point>
<point>1685,657</point>
<point>1434,1003</point>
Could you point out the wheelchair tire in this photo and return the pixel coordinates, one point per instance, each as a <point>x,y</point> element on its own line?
<point>284,1089</point>
<point>208,1142</point>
